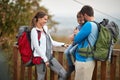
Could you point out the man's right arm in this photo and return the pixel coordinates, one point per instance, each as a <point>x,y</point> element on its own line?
<point>83,33</point>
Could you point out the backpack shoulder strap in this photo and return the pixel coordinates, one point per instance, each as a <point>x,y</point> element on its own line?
<point>98,25</point>
<point>39,35</point>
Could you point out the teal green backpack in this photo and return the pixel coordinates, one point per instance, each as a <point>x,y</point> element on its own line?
<point>103,48</point>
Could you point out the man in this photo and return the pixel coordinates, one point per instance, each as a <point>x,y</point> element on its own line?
<point>84,65</point>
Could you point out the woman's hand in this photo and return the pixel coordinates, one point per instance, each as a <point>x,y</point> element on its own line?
<point>66,45</point>
<point>47,64</point>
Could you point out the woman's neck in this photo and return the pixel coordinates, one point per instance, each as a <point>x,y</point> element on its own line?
<point>39,27</point>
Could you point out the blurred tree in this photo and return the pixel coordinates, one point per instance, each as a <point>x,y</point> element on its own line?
<point>16,13</point>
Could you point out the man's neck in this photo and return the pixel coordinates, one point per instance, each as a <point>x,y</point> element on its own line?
<point>91,19</point>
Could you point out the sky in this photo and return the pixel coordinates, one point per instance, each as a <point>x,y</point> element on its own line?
<point>71,7</point>
<point>65,11</point>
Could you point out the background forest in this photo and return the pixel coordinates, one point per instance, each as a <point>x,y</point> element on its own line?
<point>16,13</point>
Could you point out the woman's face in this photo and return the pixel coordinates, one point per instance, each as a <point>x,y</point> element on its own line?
<point>42,21</point>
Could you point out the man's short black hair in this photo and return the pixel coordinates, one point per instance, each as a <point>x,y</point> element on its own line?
<point>87,10</point>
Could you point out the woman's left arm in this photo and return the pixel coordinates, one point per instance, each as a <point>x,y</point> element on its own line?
<point>54,43</point>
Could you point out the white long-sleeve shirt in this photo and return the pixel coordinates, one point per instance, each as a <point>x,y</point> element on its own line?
<point>40,50</point>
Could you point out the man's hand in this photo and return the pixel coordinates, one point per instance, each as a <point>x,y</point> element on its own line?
<point>76,31</point>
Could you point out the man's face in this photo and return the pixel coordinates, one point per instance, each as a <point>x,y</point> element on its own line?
<point>85,17</point>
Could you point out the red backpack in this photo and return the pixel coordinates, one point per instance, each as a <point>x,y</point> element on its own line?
<point>24,47</point>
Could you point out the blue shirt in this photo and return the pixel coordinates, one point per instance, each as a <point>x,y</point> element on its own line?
<point>88,31</point>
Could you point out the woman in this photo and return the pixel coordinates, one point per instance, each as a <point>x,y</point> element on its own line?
<point>43,47</point>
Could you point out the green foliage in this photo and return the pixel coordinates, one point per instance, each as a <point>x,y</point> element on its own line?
<point>16,13</point>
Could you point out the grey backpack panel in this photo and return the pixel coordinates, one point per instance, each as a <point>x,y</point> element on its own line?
<point>21,30</point>
<point>113,27</point>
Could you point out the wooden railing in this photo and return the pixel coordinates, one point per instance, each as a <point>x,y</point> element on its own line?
<point>102,71</point>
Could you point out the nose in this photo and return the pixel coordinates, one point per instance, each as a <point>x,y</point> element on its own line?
<point>46,21</point>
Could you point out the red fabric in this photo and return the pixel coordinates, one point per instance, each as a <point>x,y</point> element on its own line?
<point>36,60</point>
<point>39,34</point>
<point>26,51</point>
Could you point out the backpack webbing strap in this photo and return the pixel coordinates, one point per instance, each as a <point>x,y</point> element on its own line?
<point>39,35</point>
